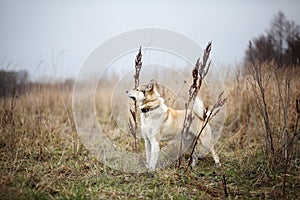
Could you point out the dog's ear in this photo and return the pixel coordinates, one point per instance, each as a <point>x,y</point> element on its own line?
<point>150,85</point>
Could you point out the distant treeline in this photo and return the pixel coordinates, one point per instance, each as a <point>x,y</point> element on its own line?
<point>12,83</point>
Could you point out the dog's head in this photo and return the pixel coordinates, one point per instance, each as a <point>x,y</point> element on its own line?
<point>144,93</point>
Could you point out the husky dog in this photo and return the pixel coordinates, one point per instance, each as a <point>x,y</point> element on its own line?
<point>160,123</point>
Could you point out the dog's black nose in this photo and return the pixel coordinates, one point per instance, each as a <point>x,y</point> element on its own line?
<point>127,92</point>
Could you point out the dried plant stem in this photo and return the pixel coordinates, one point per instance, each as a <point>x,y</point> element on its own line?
<point>133,122</point>
<point>287,146</point>
<point>278,149</point>
<point>188,113</point>
<point>296,135</point>
<point>199,72</point>
<point>259,88</point>
<point>225,186</point>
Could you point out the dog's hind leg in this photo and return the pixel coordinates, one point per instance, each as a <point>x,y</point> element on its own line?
<point>201,152</point>
<point>208,145</point>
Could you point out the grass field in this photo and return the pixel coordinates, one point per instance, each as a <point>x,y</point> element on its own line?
<point>42,156</point>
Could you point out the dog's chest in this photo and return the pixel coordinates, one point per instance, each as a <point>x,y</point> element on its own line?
<point>152,119</point>
<point>151,123</point>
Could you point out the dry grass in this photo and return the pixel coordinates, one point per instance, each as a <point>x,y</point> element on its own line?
<point>43,158</point>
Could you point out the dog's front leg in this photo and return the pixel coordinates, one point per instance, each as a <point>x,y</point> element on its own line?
<point>154,153</point>
<point>148,151</point>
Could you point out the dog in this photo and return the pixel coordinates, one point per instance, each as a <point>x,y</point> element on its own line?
<point>160,123</point>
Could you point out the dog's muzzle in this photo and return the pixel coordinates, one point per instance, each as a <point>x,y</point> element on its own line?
<point>130,95</point>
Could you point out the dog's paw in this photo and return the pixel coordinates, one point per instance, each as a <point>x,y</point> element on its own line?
<point>193,164</point>
<point>218,165</point>
<point>146,165</point>
<point>150,174</point>
<point>151,166</point>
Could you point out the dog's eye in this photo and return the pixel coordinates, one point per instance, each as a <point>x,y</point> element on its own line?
<point>139,90</point>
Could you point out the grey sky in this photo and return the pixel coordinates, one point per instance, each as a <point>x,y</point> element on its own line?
<point>63,33</point>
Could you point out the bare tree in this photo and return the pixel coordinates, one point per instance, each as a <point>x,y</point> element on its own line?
<point>280,43</point>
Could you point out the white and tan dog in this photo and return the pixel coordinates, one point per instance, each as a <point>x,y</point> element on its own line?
<point>160,123</point>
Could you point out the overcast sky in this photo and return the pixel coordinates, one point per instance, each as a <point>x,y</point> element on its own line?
<point>63,33</point>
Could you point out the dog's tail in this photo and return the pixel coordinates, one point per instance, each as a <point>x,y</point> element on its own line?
<point>200,110</point>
